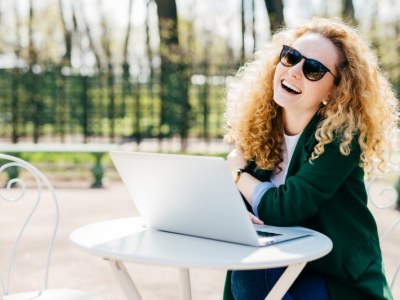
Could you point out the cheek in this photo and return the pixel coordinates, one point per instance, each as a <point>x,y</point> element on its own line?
<point>317,92</point>
<point>324,90</point>
<point>278,72</point>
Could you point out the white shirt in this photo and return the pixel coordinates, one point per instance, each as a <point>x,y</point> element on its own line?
<point>277,179</point>
<point>287,150</point>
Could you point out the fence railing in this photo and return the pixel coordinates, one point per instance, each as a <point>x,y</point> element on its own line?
<point>52,106</point>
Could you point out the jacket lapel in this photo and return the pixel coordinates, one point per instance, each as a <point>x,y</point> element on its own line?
<point>304,147</point>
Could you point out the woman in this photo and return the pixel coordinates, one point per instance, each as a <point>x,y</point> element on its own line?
<point>310,116</point>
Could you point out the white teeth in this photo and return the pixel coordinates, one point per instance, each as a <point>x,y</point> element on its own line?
<point>287,84</point>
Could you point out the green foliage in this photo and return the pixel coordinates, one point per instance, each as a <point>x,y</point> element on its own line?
<point>78,106</point>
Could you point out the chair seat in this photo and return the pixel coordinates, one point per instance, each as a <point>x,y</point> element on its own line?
<point>56,294</point>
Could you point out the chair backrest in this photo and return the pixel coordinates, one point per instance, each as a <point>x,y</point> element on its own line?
<point>382,195</point>
<point>41,183</point>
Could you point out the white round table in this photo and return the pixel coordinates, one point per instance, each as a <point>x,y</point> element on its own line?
<point>128,240</point>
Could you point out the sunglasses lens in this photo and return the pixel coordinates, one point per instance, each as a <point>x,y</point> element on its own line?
<point>290,57</point>
<point>313,70</point>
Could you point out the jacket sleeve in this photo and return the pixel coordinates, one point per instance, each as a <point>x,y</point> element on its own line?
<point>311,186</point>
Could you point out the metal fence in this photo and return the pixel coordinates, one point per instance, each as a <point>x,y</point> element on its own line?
<point>53,106</point>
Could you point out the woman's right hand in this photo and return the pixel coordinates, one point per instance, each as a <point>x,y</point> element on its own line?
<point>255,220</point>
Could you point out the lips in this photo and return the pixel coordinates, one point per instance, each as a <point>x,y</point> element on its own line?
<point>290,87</point>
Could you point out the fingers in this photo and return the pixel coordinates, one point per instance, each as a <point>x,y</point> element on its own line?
<point>236,159</point>
<point>238,148</point>
<point>232,154</point>
<point>255,220</point>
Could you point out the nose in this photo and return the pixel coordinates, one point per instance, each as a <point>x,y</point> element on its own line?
<point>296,70</point>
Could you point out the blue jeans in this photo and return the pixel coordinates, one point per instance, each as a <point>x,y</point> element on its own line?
<point>256,284</point>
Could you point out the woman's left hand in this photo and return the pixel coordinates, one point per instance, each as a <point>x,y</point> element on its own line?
<point>235,158</point>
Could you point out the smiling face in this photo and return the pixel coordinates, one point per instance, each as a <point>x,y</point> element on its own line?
<point>297,95</point>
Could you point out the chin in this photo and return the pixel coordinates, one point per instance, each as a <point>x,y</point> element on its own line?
<point>282,100</point>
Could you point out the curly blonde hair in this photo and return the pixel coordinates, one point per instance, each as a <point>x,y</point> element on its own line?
<point>363,103</point>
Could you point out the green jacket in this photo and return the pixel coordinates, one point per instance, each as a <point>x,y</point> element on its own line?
<point>329,195</point>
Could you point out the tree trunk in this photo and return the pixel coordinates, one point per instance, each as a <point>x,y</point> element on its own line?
<point>174,77</point>
<point>85,102</point>
<point>149,51</point>
<point>253,24</point>
<point>348,11</point>
<point>126,84</point>
<point>92,44</point>
<point>110,76</point>
<point>16,77</point>
<point>62,102</point>
<point>243,32</point>
<point>33,88</point>
<point>275,14</point>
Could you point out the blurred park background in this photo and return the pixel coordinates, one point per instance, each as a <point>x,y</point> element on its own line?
<point>129,70</point>
<point>147,75</point>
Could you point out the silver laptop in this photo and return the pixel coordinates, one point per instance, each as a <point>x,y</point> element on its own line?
<point>193,195</point>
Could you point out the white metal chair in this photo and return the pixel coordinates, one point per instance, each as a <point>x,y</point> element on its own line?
<point>7,193</point>
<point>383,196</point>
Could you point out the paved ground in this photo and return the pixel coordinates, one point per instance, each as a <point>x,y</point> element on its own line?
<point>72,267</point>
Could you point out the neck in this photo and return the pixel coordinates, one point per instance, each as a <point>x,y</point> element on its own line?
<point>295,123</point>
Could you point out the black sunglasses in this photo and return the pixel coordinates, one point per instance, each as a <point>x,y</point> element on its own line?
<point>312,69</point>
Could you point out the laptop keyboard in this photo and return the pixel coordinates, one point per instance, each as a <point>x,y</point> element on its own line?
<point>267,234</point>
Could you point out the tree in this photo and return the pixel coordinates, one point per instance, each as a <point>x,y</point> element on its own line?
<point>126,86</point>
<point>275,14</point>
<point>101,47</point>
<point>15,95</point>
<point>150,57</point>
<point>92,40</point>
<point>62,102</point>
<point>253,24</point>
<point>348,11</point>
<point>174,77</point>
<point>33,81</point>
<point>243,32</point>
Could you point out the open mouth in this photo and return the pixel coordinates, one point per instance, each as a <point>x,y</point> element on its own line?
<point>290,88</point>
